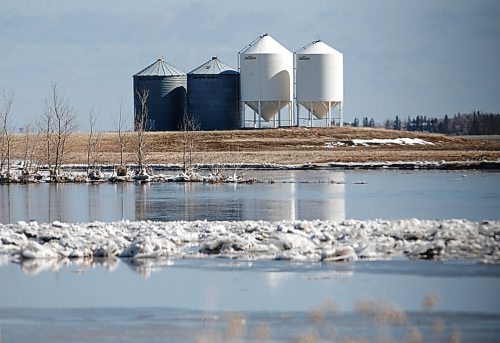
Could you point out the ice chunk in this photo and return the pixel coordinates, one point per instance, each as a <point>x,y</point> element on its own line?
<point>291,240</point>
<point>341,254</point>
<point>33,250</point>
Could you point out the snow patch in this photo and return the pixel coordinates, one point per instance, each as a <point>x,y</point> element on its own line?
<point>379,141</point>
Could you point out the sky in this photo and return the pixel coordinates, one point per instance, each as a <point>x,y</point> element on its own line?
<point>401,57</point>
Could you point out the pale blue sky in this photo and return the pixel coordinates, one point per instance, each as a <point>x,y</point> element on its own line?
<point>401,57</point>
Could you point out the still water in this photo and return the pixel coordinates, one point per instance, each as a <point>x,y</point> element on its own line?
<point>191,300</point>
<point>327,195</point>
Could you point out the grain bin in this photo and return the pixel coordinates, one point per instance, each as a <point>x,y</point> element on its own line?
<point>166,103</point>
<point>213,97</point>
<point>266,73</point>
<point>320,81</point>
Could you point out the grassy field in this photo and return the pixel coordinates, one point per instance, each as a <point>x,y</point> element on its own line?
<point>279,146</point>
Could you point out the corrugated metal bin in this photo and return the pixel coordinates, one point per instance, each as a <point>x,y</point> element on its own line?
<point>166,103</point>
<point>213,96</point>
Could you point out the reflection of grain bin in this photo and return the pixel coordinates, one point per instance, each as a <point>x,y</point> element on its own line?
<point>266,69</point>
<point>166,103</point>
<point>213,98</point>
<point>320,80</point>
<point>326,202</point>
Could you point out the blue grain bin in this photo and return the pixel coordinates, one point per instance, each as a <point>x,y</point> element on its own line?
<point>213,98</point>
<point>166,103</point>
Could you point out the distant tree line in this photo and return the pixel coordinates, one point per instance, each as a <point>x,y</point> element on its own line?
<point>365,122</point>
<point>475,123</point>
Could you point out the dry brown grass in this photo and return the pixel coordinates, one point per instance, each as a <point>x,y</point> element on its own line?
<point>383,313</point>
<point>282,146</point>
<point>430,301</point>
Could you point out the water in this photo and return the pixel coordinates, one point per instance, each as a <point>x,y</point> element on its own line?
<point>191,300</point>
<point>218,299</point>
<point>226,285</point>
<point>329,195</point>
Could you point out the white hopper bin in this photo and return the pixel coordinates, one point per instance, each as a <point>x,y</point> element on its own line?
<point>320,81</point>
<point>266,79</point>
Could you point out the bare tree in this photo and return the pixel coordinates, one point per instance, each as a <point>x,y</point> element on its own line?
<point>45,129</point>
<point>6,133</point>
<point>59,122</point>
<point>120,127</point>
<point>93,144</point>
<point>30,136</point>
<point>188,127</point>
<point>140,123</point>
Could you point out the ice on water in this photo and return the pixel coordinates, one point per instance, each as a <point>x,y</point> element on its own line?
<point>288,240</point>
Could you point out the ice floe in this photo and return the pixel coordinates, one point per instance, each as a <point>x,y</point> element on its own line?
<point>317,240</point>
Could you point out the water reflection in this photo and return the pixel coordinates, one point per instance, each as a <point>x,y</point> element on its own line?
<point>36,266</point>
<point>219,284</point>
<point>144,267</point>
<point>304,195</point>
<point>191,201</point>
<point>290,196</point>
<point>66,202</point>
<point>275,278</point>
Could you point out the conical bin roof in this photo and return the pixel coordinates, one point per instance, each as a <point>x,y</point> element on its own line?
<point>213,66</point>
<point>318,48</point>
<point>265,44</point>
<point>160,68</point>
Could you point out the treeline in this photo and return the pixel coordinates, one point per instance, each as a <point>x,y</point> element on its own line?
<point>475,123</point>
<point>365,122</point>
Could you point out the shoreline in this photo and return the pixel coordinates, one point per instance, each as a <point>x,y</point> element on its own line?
<point>223,156</point>
<point>154,172</point>
<point>394,165</point>
<point>399,165</point>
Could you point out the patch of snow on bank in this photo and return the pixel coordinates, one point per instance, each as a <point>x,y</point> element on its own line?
<point>288,240</point>
<point>380,141</point>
